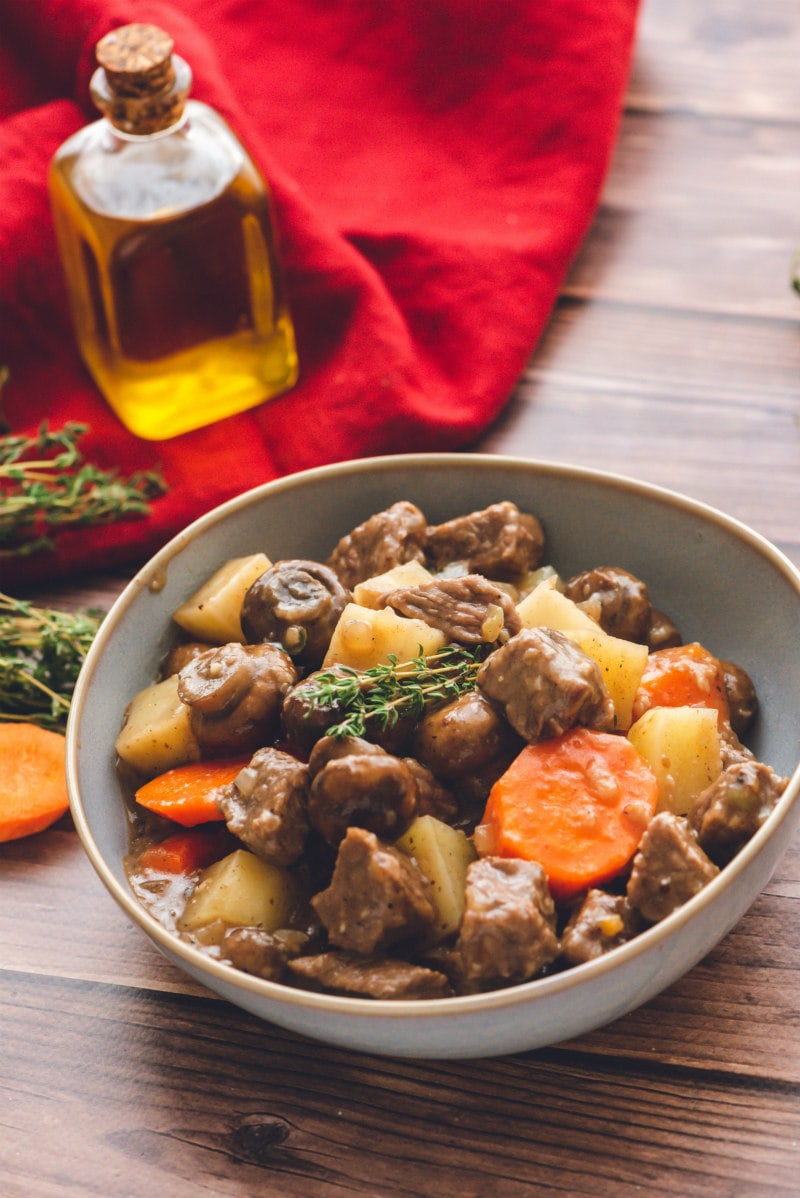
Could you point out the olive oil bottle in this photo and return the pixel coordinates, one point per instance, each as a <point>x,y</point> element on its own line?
<point>167,238</point>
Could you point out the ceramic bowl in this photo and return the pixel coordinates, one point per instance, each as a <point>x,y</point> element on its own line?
<point>722,583</point>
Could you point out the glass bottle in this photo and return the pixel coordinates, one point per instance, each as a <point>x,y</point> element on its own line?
<point>167,238</point>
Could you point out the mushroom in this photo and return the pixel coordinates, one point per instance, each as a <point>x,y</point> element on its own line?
<point>463,737</point>
<point>307,716</point>
<point>297,604</point>
<point>236,693</point>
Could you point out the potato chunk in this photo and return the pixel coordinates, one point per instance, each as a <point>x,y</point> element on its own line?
<point>622,664</point>
<point>364,638</point>
<point>408,574</point>
<point>212,613</point>
<point>443,854</point>
<point>546,607</point>
<point>682,745</point>
<point>241,890</point>
<point>157,733</point>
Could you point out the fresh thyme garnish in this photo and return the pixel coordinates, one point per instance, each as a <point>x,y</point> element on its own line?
<point>41,653</point>
<point>385,693</point>
<point>45,484</point>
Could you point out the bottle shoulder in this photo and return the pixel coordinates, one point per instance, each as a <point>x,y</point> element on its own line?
<point>140,178</point>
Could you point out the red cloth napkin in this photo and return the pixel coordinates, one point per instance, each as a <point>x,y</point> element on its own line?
<point>435,165</point>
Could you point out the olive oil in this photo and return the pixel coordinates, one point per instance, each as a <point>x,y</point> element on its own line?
<point>168,242</point>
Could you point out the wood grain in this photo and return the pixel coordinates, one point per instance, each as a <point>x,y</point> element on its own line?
<point>186,1092</point>
<point>673,356</point>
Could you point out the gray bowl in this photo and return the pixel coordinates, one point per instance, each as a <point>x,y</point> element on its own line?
<point>722,583</point>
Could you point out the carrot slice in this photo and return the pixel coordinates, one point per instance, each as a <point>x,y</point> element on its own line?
<point>33,780</point>
<point>682,676</point>
<point>185,794</point>
<point>578,804</point>
<point>186,852</point>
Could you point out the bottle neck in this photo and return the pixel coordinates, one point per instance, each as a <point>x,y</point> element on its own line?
<point>119,135</point>
<point>144,113</point>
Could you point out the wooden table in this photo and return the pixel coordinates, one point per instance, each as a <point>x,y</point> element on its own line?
<point>674,355</point>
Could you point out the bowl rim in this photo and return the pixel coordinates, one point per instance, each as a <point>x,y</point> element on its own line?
<point>549,986</point>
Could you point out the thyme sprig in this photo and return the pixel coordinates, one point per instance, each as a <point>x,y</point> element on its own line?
<point>41,654</point>
<point>45,484</point>
<point>386,693</point>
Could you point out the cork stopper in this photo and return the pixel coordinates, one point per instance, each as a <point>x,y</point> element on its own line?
<point>140,85</point>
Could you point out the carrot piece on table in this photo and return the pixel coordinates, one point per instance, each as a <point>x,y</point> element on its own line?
<point>33,780</point>
<point>185,852</point>
<point>186,794</point>
<point>683,676</point>
<point>578,804</point>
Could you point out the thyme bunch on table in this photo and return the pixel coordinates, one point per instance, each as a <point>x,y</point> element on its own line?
<point>41,654</point>
<point>45,485</point>
<point>385,693</point>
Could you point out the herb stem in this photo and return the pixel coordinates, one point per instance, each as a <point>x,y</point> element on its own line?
<point>386,693</point>
<point>40,494</point>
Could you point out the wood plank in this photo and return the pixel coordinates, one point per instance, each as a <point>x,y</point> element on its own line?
<point>191,1096</point>
<point>697,214</point>
<point>588,400</point>
<point>728,58</point>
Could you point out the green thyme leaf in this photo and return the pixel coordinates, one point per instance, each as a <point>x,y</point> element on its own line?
<point>46,485</point>
<point>41,654</point>
<point>386,693</point>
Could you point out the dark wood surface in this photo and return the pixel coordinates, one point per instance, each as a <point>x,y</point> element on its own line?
<point>674,356</point>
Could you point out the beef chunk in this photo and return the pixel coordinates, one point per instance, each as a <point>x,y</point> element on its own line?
<point>464,736</point>
<point>545,684</point>
<point>734,807</point>
<point>509,926</point>
<point>432,798</point>
<point>499,542</point>
<point>742,698</point>
<point>468,610</point>
<point>600,923</point>
<point>331,748</point>
<point>371,790</point>
<point>620,603</point>
<point>377,896</point>
<point>669,867</point>
<point>261,953</point>
<point>617,600</point>
<point>266,806</point>
<point>732,750</point>
<point>387,539</point>
<point>370,977</point>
